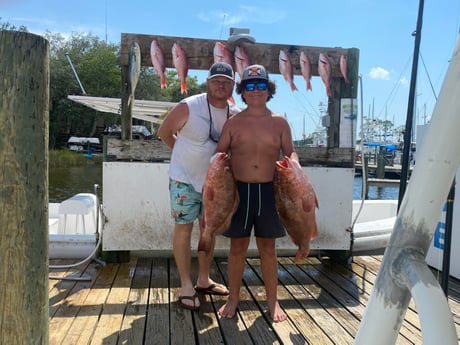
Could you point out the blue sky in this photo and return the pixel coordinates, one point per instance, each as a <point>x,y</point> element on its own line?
<point>381,30</point>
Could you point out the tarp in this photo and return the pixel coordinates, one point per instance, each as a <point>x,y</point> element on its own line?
<point>151,111</point>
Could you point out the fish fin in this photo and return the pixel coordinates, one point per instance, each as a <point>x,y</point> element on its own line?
<point>307,205</point>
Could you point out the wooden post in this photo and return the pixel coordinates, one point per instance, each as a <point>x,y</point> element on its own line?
<point>24,78</point>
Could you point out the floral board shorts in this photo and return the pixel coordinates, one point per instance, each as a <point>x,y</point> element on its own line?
<point>186,202</point>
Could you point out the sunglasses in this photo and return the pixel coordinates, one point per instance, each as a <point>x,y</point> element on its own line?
<point>261,86</point>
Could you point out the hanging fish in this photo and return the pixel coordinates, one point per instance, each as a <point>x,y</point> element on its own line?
<point>305,68</point>
<point>242,60</point>
<point>286,69</point>
<point>134,67</point>
<point>180,63</point>
<point>158,62</point>
<point>324,70</point>
<point>343,67</point>
<point>222,54</point>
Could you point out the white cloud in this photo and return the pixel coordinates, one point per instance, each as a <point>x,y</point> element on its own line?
<point>404,81</point>
<point>379,73</point>
<point>244,14</point>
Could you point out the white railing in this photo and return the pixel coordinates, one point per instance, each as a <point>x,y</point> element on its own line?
<point>404,273</point>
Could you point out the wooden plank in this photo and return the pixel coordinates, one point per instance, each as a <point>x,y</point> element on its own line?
<point>85,322</point>
<point>200,53</point>
<point>181,320</point>
<point>288,331</point>
<point>110,321</point>
<point>351,281</point>
<point>133,326</point>
<point>158,311</point>
<point>157,151</point>
<point>61,323</point>
<point>331,327</point>
<point>234,330</point>
<point>137,150</point>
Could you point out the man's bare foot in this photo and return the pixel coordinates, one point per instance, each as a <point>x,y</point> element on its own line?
<point>228,310</point>
<point>277,313</point>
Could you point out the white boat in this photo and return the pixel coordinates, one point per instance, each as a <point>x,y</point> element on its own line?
<point>74,227</point>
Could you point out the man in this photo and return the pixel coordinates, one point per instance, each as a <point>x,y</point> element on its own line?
<point>255,138</point>
<point>192,130</point>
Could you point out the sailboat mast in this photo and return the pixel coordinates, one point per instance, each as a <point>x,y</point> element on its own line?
<point>410,106</point>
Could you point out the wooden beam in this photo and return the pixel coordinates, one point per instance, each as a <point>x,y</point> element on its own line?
<point>24,122</point>
<point>200,52</point>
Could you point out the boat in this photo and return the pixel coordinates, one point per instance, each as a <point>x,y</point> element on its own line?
<point>74,227</point>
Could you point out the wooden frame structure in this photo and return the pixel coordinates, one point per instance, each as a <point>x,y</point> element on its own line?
<point>200,56</point>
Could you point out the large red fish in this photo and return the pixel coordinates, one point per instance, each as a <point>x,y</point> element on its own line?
<point>324,71</point>
<point>220,199</point>
<point>296,203</point>
<point>180,62</point>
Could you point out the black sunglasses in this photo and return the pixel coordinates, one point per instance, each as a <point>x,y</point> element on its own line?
<point>261,86</point>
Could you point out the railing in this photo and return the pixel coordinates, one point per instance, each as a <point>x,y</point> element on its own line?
<point>403,272</point>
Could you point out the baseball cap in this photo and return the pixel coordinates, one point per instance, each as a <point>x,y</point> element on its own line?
<point>221,69</point>
<point>255,72</point>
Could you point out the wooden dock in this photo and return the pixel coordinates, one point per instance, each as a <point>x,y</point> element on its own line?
<point>136,303</point>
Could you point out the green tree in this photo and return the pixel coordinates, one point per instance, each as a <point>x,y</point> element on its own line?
<point>97,66</point>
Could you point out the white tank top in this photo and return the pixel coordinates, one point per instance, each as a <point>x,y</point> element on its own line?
<point>193,147</point>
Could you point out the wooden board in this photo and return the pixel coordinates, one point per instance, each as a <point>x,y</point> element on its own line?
<point>200,52</point>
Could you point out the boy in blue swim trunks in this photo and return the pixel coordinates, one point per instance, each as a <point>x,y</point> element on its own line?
<point>255,138</point>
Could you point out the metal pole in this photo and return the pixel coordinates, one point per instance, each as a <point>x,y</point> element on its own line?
<point>410,107</point>
<point>75,73</point>
<point>448,239</point>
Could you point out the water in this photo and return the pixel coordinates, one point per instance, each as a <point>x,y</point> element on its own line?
<point>66,182</point>
<point>375,193</point>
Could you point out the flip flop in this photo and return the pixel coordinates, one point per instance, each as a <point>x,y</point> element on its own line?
<point>189,298</point>
<point>213,289</point>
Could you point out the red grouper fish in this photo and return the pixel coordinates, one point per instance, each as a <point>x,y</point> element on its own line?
<point>180,62</point>
<point>220,199</point>
<point>296,203</point>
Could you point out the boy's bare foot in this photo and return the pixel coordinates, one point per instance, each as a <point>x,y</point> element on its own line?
<point>277,313</point>
<point>228,310</point>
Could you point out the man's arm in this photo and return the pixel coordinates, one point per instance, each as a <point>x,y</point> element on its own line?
<point>173,123</point>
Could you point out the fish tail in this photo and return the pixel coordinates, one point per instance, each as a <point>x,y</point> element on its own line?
<point>183,87</point>
<point>309,86</point>
<point>163,83</point>
<point>293,87</point>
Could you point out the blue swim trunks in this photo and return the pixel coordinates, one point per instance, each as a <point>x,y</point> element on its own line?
<point>256,209</point>
<point>186,202</point>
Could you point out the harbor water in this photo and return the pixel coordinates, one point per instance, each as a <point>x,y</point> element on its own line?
<point>66,182</point>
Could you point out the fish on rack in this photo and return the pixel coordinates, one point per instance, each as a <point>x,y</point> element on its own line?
<point>285,68</point>
<point>222,54</point>
<point>305,68</point>
<point>220,200</point>
<point>158,62</point>
<point>134,68</point>
<point>343,67</point>
<point>180,62</point>
<point>324,71</point>
<point>296,203</point>
<point>242,60</point>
